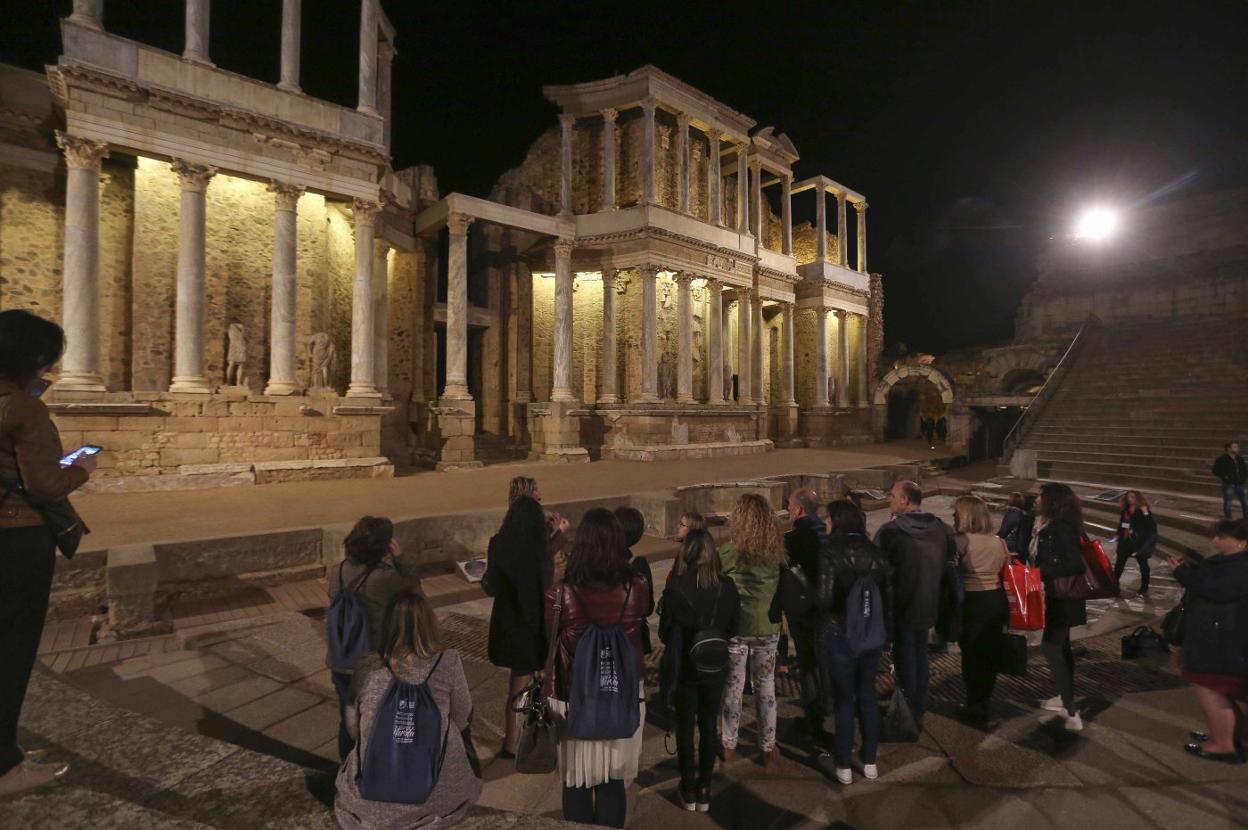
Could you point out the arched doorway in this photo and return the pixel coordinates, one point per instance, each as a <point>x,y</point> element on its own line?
<point>914,397</point>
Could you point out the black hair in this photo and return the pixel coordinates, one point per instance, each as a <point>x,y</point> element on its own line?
<point>846,517</point>
<point>28,343</point>
<point>633,522</point>
<point>1060,503</point>
<point>369,540</point>
<point>597,556</point>
<point>1232,529</point>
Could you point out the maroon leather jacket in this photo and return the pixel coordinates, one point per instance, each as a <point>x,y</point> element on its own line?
<point>583,606</point>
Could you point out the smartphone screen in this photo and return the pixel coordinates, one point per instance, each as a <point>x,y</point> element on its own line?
<point>89,449</point>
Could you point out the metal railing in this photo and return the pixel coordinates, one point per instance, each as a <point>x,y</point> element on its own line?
<point>1019,431</point>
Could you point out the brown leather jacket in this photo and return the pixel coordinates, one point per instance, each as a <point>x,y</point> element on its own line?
<point>31,445</point>
<point>582,606</point>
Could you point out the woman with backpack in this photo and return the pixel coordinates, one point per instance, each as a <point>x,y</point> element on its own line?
<point>981,555</point>
<point>1012,521</point>
<point>752,561</point>
<point>431,778</point>
<point>1056,550</point>
<point>852,569</point>
<point>1137,536</point>
<point>595,672</point>
<point>371,572</point>
<point>519,570</point>
<point>700,613</point>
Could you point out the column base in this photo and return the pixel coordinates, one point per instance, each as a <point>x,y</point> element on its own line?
<point>563,396</point>
<point>686,399</point>
<point>367,110</point>
<point>191,385</point>
<point>80,382</point>
<point>195,57</point>
<point>609,399</point>
<point>282,387</point>
<point>457,426</point>
<point>363,390</point>
<point>290,88</point>
<point>455,392</point>
<point>647,399</point>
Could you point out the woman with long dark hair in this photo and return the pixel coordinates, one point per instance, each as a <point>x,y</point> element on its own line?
<point>1137,536</point>
<point>1056,552</point>
<point>600,589</point>
<point>698,598</point>
<point>30,476</point>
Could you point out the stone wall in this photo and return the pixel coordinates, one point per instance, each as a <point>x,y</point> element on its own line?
<point>32,240</point>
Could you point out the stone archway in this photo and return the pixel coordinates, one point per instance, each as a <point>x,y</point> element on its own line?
<point>937,378</point>
<point>959,418</point>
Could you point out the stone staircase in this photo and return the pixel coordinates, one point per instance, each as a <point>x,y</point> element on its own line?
<point>1147,405</point>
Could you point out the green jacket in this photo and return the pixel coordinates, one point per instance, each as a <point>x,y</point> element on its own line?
<point>756,584</point>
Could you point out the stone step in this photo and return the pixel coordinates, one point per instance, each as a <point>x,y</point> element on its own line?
<point>1174,471</point>
<point>1198,465</point>
<point>1125,476</point>
<point>1197,435</point>
<point>1211,450</point>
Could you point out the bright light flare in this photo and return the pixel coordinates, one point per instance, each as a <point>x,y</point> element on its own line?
<point>1096,224</point>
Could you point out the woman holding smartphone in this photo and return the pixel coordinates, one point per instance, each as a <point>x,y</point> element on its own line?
<point>30,475</point>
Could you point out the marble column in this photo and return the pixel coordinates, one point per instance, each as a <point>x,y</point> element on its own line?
<point>197,22</point>
<point>385,57</point>
<point>684,326</point>
<point>566,123</point>
<point>842,356</point>
<point>786,214</point>
<point>714,342</point>
<point>524,332</point>
<point>608,159</point>
<point>648,151</point>
<point>758,384</point>
<point>368,58</point>
<point>743,192</point>
<point>726,349</point>
<point>745,315</point>
<point>80,314</point>
<point>821,224</point>
<point>89,13</point>
<point>714,181</point>
<point>381,314</point>
<point>821,356</point>
<point>610,370</point>
<point>649,335</point>
<point>786,356</point>
<point>292,20</point>
<point>682,156</point>
<point>363,306</point>
<point>457,308</point>
<point>842,232</point>
<point>861,208</point>
<point>282,350</point>
<point>188,371</point>
<point>561,387</point>
<point>863,381</point>
<point>756,200</point>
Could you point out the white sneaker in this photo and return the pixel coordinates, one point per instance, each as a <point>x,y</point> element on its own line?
<point>1074,723</point>
<point>845,776</point>
<point>1053,704</point>
<point>30,774</point>
<point>870,772</point>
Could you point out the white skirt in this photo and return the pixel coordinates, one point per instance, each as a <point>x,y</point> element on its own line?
<point>590,763</point>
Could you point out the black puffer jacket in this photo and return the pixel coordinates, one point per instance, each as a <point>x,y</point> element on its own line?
<point>1057,555</point>
<point>844,559</point>
<point>1215,619</point>
<point>918,547</point>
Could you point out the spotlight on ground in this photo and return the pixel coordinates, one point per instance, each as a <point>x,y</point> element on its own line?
<point>1097,224</point>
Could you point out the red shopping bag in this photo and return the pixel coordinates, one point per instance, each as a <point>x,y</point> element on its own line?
<point>1024,590</point>
<point>1102,583</point>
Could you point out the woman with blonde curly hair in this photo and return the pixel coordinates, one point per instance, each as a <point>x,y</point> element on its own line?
<point>752,560</point>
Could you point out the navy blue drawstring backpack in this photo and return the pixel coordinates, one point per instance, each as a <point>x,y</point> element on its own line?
<point>406,746</point>
<point>864,617</point>
<point>347,624</point>
<point>603,695</point>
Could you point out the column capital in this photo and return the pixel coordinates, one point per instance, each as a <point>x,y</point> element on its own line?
<point>608,278</point>
<point>682,120</point>
<point>683,277</point>
<point>193,176</point>
<point>649,271</point>
<point>81,153</point>
<point>566,120</point>
<point>563,247</point>
<point>285,195</point>
<point>457,223</point>
<point>610,114</point>
<point>649,105</point>
<point>860,206</point>
<point>365,211</point>
<point>714,284</point>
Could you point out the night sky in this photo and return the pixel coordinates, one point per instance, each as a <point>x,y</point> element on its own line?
<point>974,129</point>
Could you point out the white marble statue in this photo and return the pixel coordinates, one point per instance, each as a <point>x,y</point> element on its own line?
<point>236,355</point>
<point>322,356</point>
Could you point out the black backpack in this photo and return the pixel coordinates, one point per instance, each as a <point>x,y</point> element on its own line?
<point>708,647</point>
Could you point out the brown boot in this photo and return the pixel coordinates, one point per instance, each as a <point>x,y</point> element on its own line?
<point>770,756</point>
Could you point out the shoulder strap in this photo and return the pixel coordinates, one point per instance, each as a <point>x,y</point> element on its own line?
<point>628,590</point>
<point>553,639</point>
<point>719,590</point>
<point>434,668</point>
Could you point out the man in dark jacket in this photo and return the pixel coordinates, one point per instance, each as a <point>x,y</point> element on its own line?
<point>802,545</point>
<point>1232,471</point>
<point>918,546</point>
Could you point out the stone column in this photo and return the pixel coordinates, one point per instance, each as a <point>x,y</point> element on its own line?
<point>647,156</point>
<point>786,356</point>
<point>197,17</point>
<point>684,326</point>
<point>714,181</point>
<point>842,252</point>
<point>561,387</point>
<point>524,332</point>
<point>457,308</point>
<point>608,159</point>
<point>726,350</point>
<point>368,58</point>
<point>786,214</point>
<point>842,346</point>
<point>566,123</point>
<point>292,20</point>
<point>363,306</point>
<point>821,356</point>
<point>89,13</point>
<point>381,314</point>
<point>863,381</point>
<point>714,342</point>
<point>610,371</point>
<point>282,349</point>
<point>386,53</point>
<point>682,155</point>
<point>861,207</point>
<point>188,372</point>
<point>821,224</point>
<point>649,335</point>
<point>758,384</point>
<point>756,200</point>
<point>745,314</point>
<point>80,365</point>
<point>743,193</point>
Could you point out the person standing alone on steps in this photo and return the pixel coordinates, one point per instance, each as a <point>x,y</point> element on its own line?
<point>1137,536</point>
<point>1232,471</point>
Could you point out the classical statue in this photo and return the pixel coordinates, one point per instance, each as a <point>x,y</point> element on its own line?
<point>236,355</point>
<point>667,376</point>
<point>322,357</point>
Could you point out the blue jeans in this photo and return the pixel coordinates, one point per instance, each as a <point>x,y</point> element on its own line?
<point>913,672</point>
<point>1234,490</point>
<point>853,680</point>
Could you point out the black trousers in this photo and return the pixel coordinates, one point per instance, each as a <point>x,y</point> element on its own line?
<point>1057,652</point>
<point>803,630</point>
<point>1141,558</point>
<point>984,617</point>
<point>603,805</point>
<point>697,705</point>
<point>28,555</point>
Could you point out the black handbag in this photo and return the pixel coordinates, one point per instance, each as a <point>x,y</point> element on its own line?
<point>60,517</point>
<point>1012,655</point>
<point>896,720</point>
<point>1172,626</point>
<point>794,590</point>
<point>1143,642</point>
<point>536,750</point>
